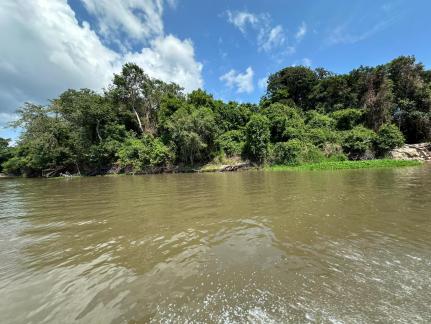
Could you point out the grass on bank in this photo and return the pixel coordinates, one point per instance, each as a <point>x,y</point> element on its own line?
<point>337,165</point>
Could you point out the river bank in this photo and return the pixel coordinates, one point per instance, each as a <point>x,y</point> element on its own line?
<point>245,166</point>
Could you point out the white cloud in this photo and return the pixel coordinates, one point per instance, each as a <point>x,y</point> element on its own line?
<point>138,19</point>
<point>302,30</point>
<point>342,34</point>
<point>241,19</point>
<point>272,38</point>
<point>242,81</point>
<point>268,37</point>
<point>171,60</point>
<point>46,51</point>
<point>263,82</point>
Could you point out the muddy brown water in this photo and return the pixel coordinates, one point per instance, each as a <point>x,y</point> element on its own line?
<point>348,246</point>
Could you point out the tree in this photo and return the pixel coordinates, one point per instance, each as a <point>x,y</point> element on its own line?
<point>378,100</point>
<point>388,138</point>
<point>232,115</point>
<point>295,152</point>
<point>5,151</point>
<point>257,138</point>
<point>292,83</point>
<point>141,94</point>
<point>48,142</point>
<point>285,122</point>
<point>231,143</point>
<point>139,154</point>
<point>192,132</point>
<point>332,93</point>
<point>346,119</point>
<point>358,142</point>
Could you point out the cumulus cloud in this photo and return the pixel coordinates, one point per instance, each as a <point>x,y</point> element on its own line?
<point>46,51</point>
<point>136,18</point>
<point>171,60</point>
<point>243,82</point>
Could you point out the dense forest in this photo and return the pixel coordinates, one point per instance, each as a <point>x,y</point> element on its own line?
<point>140,124</point>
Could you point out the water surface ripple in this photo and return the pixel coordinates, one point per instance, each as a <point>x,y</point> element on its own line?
<point>328,247</point>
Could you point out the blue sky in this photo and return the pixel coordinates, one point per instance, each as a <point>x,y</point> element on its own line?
<point>226,47</point>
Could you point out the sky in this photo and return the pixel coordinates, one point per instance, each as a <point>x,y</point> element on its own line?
<point>226,47</point>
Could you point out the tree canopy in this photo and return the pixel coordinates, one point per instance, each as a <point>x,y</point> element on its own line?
<point>141,124</point>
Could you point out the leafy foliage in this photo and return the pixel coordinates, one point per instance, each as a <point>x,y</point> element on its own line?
<point>140,123</point>
<point>5,151</point>
<point>388,138</point>
<point>358,142</point>
<point>231,143</point>
<point>257,138</point>
<point>295,152</point>
<point>136,155</point>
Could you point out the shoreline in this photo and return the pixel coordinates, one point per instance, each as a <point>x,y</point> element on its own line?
<point>226,168</point>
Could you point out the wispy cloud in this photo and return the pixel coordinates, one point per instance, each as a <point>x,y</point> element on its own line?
<point>302,30</point>
<point>269,37</point>
<point>341,34</point>
<point>242,19</point>
<point>350,31</point>
<point>243,82</point>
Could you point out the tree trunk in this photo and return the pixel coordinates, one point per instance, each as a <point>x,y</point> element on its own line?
<point>139,120</point>
<point>97,131</point>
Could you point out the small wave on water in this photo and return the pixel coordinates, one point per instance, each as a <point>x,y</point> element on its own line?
<point>324,247</point>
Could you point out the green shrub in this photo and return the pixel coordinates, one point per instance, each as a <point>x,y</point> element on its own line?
<point>318,120</point>
<point>295,152</point>
<point>138,154</point>
<point>321,136</point>
<point>333,152</point>
<point>346,119</point>
<point>231,142</point>
<point>358,142</point>
<point>388,138</point>
<point>5,151</point>
<point>257,137</point>
<point>286,122</point>
<point>14,165</point>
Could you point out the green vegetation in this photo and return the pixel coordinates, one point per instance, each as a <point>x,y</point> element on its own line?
<point>140,124</point>
<point>5,152</point>
<point>329,165</point>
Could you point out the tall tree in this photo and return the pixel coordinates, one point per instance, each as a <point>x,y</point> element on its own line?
<point>141,94</point>
<point>379,99</point>
<point>294,83</point>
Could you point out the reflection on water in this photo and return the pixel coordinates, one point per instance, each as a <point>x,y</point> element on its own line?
<point>346,246</point>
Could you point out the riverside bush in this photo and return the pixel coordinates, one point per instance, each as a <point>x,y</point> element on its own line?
<point>294,152</point>
<point>388,138</point>
<point>358,142</point>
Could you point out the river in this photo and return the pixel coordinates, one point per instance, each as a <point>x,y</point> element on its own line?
<point>348,246</point>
